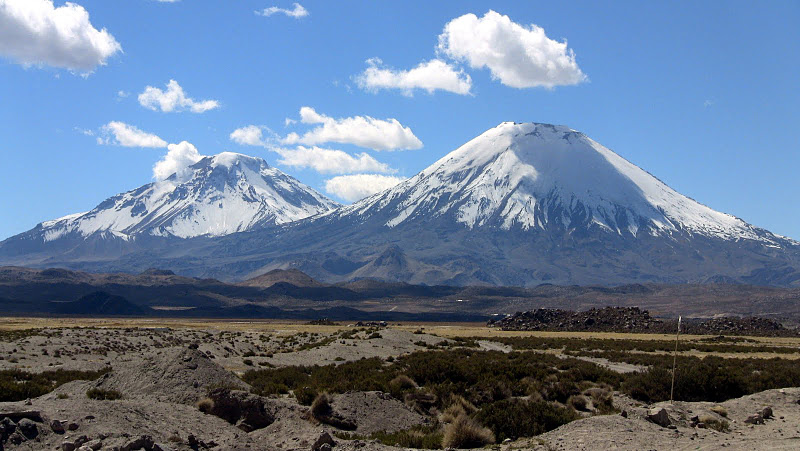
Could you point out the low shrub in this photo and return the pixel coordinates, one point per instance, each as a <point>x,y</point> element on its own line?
<point>305,395</point>
<point>17,385</point>
<point>578,402</point>
<point>515,418</point>
<point>103,395</point>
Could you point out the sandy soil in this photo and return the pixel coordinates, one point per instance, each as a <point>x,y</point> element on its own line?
<point>162,371</point>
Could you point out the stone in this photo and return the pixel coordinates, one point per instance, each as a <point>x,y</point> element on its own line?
<point>94,444</point>
<point>57,427</point>
<point>659,416</point>
<point>73,426</point>
<point>766,413</point>
<point>755,419</point>
<point>142,442</point>
<point>323,439</point>
<point>325,447</point>
<point>28,428</point>
<point>68,446</point>
<point>16,438</point>
<point>9,425</point>
<point>624,414</point>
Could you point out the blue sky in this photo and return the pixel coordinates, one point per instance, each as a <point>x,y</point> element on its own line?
<point>704,95</point>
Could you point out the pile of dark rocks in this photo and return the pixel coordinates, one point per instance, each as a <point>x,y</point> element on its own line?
<point>752,325</point>
<point>634,319</point>
<point>607,319</point>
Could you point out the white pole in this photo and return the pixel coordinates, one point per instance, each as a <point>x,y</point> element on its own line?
<point>675,360</point>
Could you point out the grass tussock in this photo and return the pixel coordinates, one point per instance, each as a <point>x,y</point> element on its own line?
<point>720,410</point>
<point>418,437</point>
<point>322,411</point>
<point>717,424</point>
<point>465,432</point>
<point>103,395</point>
<point>205,405</point>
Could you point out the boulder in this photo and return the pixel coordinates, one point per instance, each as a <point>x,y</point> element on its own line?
<point>142,442</point>
<point>755,419</point>
<point>16,438</point>
<point>28,428</point>
<point>323,439</point>
<point>659,416</point>
<point>57,427</point>
<point>766,413</point>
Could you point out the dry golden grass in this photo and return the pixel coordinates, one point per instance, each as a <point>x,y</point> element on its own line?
<point>446,330</point>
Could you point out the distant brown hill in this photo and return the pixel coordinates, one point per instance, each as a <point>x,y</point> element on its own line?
<point>292,293</point>
<point>292,276</point>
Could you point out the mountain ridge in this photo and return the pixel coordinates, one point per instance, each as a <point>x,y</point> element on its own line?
<point>521,204</point>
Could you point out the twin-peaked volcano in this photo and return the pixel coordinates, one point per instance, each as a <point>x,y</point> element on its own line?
<point>521,204</point>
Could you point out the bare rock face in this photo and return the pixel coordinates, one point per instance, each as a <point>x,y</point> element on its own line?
<point>247,411</point>
<point>659,416</point>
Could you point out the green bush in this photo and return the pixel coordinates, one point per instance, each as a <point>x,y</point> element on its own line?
<point>17,385</point>
<point>305,395</point>
<point>515,418</point>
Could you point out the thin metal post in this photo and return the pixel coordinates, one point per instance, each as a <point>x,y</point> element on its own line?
<point>675,361</point>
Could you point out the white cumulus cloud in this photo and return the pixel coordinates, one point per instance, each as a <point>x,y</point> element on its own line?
<point>122,134</point>
<point>177,161</point>
<point>296,12</point>
<point>35,32</point>
<point>519,56</point>
<point>356,187</point>
<point>250,135</point>
<point>330,161</point>
<point>173,99</point>
<point>326,161</point>
<point>428,75</point>
<point>362,131</point>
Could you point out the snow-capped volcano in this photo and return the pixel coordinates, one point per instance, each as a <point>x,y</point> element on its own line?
<point>521,204</point>
<point>541,176</point>
<point>218,195</point>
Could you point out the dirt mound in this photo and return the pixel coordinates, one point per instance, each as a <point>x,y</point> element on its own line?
<point>375,411</point>
<point>173,375</point>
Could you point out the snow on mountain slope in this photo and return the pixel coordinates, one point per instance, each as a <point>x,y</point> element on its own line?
<point>540,176</point>
<point>223,194</point>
